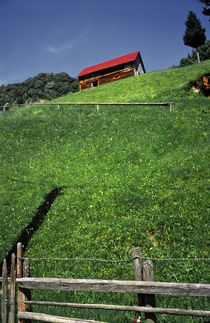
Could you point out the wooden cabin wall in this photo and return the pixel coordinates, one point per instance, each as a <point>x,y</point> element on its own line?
<point>106,78</point>
<point>206,81</point>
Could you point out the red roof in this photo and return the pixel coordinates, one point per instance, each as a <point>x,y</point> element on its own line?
<point>113,62</point>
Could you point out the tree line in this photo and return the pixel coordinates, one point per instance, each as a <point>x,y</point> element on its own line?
<point>43,86</point>
<point>204,54</point>
<point>195,37</point>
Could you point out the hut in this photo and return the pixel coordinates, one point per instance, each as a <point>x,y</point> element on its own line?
<point>112,70</point>
<point>206,81</point>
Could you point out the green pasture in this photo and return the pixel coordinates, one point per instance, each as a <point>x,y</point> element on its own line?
<point>156,86</point>
<point>130,177</point>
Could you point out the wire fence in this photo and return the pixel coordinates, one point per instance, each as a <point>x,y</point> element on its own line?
<point>166,269</point>
<point>116,260</point>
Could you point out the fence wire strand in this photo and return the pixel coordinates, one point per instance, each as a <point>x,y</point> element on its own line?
<point>115,260</point>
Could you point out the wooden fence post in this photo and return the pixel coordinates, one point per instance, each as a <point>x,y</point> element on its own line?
<point>136,252</point>
<point>149,299</point>
<point>20,294</point>
<point>22,271</point>
<point>4,292</point>
<point>26,292</point>
<point>12,290</point>
<point>19,260</point>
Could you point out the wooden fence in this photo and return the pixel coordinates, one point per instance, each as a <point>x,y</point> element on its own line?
<point>8,284</point>
<point>97,104</point>
<point>143,285</point>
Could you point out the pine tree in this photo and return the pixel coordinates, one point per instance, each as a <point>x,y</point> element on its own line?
<point>194,34</point>
<point>206,10</point>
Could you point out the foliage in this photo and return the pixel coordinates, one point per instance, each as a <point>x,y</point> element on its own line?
<point>206,10</point>
<point>204,53</point>
<point>131,176</point>
<point>42,86</point>
<point>194,34</point>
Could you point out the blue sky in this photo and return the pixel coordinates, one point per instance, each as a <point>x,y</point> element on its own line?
<point>68,35</point>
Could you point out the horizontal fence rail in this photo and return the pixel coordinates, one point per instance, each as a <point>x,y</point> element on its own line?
<point>143,287</point>
<point>58,104</point>
<point>144,309</point>
<point>96,103</point>
<point>27,316</point>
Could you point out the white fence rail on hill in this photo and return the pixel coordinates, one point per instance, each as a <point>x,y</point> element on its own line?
<point>170,104</point>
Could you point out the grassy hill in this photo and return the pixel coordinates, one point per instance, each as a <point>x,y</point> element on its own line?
<point>127,177</point>
<point>155,86</point>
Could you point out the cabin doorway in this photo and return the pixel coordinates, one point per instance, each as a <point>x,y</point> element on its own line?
<point>95,83</point>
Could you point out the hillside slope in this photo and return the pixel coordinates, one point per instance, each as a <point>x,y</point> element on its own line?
<point>160,85</point>
<point>127,177</point>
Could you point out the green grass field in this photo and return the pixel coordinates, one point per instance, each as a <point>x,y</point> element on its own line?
<point>130,176</point>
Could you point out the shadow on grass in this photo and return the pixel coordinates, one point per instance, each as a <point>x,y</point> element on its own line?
<point>34,225</point>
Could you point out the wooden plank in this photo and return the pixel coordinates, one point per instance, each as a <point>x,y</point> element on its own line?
<point>149,299</point>
<point>12,313</point>
<point>136,253</point>
<point>51,318</point>
<point>26,292</point>
<point>20,292</point>
<point>117,75</point>
<point>176,289</point>
<point>112,103</point>
<point>170,104</point>
<point>103,103</point>
<point>144,309</point>
<point>103,78</point>
<point>19,260</point>
<point>2,279</point>
<point>84,79</point>
<point>4,293</point>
